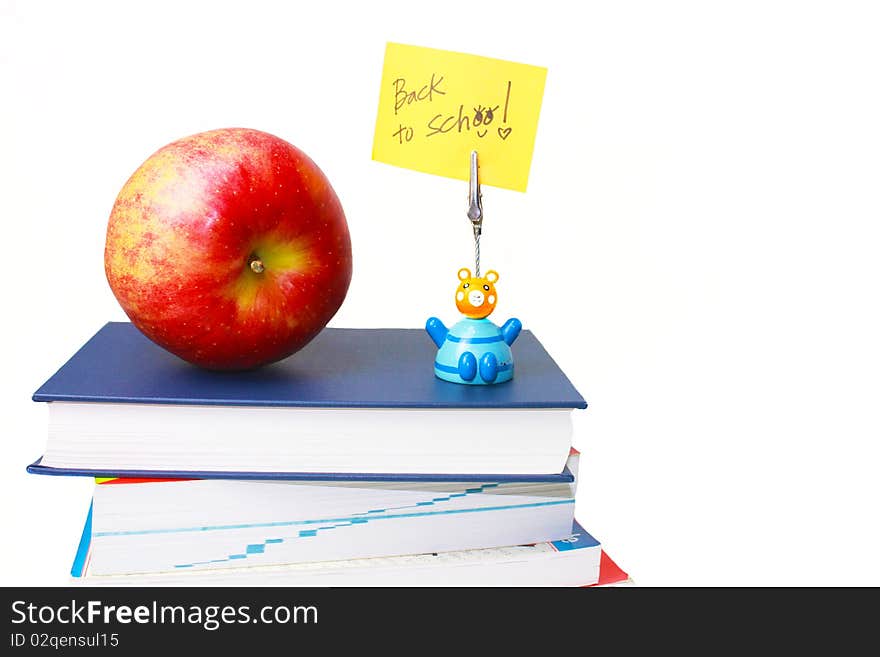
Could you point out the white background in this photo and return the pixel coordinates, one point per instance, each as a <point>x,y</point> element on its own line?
<point>698,246</point>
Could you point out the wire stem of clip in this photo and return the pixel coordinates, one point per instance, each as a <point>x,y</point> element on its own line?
<point>475,208</point>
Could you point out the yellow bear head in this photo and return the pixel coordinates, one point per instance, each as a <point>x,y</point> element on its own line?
<point>476,296</point>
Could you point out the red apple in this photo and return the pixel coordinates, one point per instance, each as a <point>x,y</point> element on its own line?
<point>229,248</point>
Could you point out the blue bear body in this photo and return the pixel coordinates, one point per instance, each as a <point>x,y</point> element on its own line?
<point>474,351</point>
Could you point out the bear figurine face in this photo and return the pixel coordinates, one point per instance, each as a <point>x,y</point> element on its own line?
<point>476,297</point>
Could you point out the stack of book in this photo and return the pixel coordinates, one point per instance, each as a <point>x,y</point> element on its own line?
<point>347,464</point>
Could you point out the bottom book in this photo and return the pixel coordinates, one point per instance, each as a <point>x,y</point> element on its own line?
<point>576,561</point>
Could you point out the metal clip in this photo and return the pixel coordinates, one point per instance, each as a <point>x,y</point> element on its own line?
<point>475,197</point>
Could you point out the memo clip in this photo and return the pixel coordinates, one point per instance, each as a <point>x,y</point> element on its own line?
<point>474,351</point>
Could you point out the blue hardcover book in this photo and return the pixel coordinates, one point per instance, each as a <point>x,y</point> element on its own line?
<point>37,467</point>
<point>353,401</point>
<point>340,368</point>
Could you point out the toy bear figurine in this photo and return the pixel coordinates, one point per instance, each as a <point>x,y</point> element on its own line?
<point>474,351</point>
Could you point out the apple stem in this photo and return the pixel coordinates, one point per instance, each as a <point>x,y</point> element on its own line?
<point>257,266</point>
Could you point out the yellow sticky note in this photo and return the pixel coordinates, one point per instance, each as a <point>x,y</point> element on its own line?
<point>436,106</point>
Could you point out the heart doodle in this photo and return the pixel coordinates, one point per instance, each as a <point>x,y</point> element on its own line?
<point>504,132</point>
